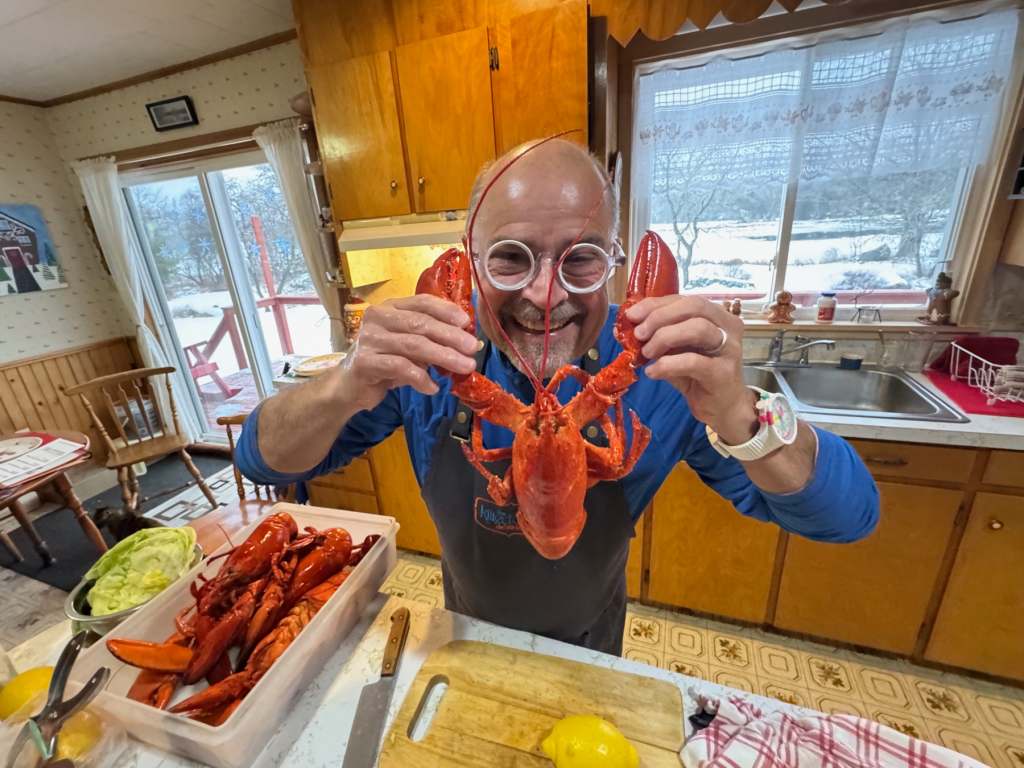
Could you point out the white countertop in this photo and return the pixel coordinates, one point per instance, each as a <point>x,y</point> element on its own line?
<point>315,734</point>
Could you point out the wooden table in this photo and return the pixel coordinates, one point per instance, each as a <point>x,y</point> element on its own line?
<point>57,479</point>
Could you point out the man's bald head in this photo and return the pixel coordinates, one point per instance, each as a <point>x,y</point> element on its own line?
<point>554,196</point>
<point>555,156</point>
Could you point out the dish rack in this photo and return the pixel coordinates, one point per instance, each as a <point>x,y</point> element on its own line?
<point>999,383</point>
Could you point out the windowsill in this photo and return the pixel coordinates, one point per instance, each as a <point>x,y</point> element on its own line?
<point>756,326</point>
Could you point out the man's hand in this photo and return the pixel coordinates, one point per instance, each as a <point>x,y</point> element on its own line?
<point>682,335</point>
<point>398,341</point>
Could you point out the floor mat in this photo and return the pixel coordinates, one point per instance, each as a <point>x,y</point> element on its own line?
<point>160,489</point>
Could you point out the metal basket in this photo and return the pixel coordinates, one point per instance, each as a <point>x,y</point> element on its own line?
<point>999,383</point>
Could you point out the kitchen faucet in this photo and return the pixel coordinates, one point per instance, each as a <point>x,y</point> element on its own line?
<point>803,346</point>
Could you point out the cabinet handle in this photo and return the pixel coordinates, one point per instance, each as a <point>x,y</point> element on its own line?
<point>421,181</point>
<point>394,185</point>
<point>886,461</point>
<point>995,525</point>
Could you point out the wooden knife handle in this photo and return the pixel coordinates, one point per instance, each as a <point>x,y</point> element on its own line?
<point>396,642</point>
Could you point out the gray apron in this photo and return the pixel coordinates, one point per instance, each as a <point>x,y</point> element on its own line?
<point>491,572</point>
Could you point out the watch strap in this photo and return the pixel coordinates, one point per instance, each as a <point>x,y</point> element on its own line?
<point>761,444</point>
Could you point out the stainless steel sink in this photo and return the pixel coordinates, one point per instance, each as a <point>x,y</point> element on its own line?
<point>877,392</point>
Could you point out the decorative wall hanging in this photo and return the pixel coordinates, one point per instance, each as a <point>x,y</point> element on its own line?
<point>28,259</point>
<point>169,114</point>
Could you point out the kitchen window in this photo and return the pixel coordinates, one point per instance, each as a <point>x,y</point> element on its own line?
<point>824,163</point>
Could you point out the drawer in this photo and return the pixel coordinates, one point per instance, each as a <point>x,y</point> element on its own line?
<point>339,498</point>
<point>916,462</point>
<point>1005,468</point>
<point>356,476</point>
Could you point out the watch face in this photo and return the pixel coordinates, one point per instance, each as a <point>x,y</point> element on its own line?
<point>783,419</point>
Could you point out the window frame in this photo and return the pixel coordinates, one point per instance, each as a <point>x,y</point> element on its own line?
<point>980,203</point>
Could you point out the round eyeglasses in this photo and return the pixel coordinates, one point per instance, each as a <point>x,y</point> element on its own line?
<point>510,265</point>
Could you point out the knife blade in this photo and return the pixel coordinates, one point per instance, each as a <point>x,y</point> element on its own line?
<point>372,709</point>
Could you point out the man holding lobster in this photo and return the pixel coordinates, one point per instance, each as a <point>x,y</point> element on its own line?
<point>541,240</point>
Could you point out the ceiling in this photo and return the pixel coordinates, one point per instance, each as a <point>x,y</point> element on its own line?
<point>50,48</point>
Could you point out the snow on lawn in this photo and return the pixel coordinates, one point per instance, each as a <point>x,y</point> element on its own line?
<point>751,248</point>
<point>308,323</point>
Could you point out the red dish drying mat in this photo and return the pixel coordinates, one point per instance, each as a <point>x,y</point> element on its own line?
<point>973,400</point>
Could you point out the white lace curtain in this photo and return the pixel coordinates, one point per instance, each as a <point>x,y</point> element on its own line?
<point>914,94</point>
<point>282,145</point>
<point>123,254</point>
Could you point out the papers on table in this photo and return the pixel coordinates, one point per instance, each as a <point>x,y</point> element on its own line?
<point>32,454</point>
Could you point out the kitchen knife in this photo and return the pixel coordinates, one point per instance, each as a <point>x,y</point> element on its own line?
<point>372,710</point>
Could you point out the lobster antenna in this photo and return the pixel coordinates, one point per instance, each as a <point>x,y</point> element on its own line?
<point>534,378</point>
<point>554,271</point>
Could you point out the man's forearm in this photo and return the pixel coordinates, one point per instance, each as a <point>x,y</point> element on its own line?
<point>788,469</point>
<point>298,426</point>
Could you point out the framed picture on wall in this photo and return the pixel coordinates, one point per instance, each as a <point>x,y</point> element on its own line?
<point>28,259</point>
<point>169,114</point>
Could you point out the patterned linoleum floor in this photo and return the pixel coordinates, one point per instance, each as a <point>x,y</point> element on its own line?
<point>979,719</point>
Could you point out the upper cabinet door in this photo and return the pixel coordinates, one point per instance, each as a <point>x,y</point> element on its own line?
<point>445,89</point>
<point>360,138</point>
<point>541,80</point>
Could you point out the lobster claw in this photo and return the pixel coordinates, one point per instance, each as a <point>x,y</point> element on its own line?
<point>450,277</point>
<point>655,273</point>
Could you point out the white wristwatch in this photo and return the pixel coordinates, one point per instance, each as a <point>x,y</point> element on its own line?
<point>778,428</point>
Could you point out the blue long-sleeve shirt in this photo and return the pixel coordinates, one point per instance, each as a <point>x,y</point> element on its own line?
<point>839,504</point>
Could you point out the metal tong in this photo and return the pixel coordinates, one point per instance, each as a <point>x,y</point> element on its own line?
<point>41,730</point>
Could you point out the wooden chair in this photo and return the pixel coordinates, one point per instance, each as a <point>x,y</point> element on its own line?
<point>142,432</point>
<point>212,527</point>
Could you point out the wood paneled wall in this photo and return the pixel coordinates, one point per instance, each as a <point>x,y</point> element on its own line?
<point>32,390</point>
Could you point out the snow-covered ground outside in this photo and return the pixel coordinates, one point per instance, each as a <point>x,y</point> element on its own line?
<point>310,328</point>
<point>754,245</point>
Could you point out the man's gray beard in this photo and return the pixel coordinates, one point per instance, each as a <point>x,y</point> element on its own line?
<point>560,352</point>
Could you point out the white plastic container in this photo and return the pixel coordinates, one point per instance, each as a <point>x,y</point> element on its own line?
<point>238,742</point>
<point>826,307</point>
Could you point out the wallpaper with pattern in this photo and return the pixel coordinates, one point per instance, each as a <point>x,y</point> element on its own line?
<point>88,310</point>
<point>36,146</point>
<point>247,89</point>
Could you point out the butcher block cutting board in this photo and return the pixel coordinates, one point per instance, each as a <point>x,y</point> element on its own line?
<point>500,704</point>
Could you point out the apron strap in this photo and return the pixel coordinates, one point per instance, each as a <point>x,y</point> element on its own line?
<point>462,424</point>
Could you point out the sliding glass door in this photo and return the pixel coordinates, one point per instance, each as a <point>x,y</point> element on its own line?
<point>231,287</point>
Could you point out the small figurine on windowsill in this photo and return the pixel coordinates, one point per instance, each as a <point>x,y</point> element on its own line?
<point>940,301</point>
<point>735,306</point>
<point>781,311</point>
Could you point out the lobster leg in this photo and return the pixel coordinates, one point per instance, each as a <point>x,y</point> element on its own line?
<point>614,462</point>
<point>499,488</point>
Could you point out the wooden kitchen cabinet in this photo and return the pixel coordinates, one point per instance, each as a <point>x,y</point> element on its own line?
<point>874,592</point>
<point>350,487</point>
<point>540,84</point>
<point>445,89</point>
<point>980,624</point>
<point>705,555</point>
<point>916,462</point>
<point>399,494</point>
<point>356,111</point>
<point>1005,468</point>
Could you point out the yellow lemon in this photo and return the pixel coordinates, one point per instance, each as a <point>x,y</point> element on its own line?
<point>22,688</point>
<point>588,741</point>
<point>79,735</point>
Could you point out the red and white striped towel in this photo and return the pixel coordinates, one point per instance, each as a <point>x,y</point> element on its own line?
<point>741,736</point>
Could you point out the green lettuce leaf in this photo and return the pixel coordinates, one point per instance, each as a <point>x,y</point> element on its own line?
<point>139,567</point>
